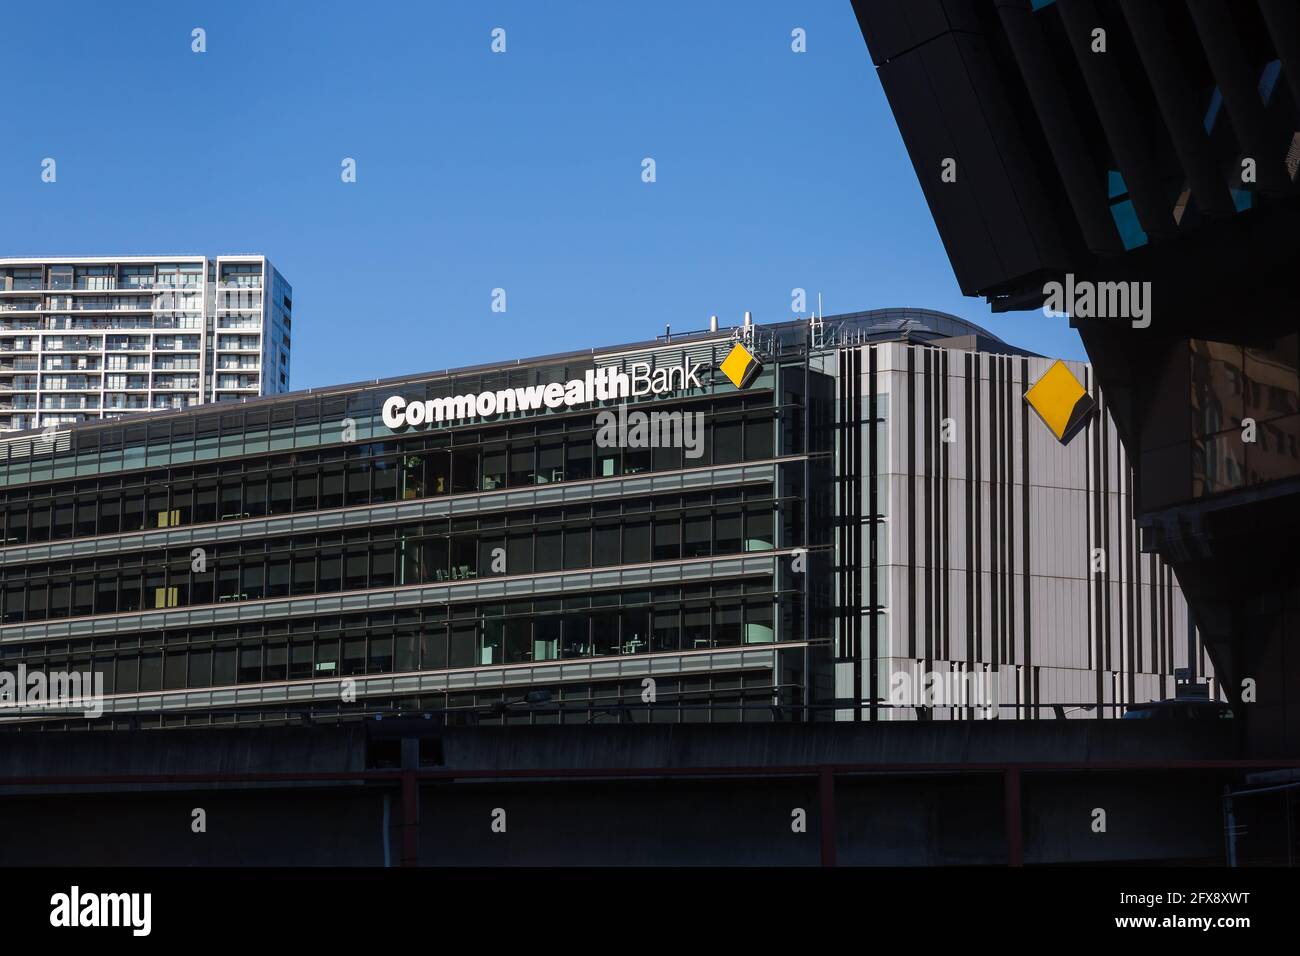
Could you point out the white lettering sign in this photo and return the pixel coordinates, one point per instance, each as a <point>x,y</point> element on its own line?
<point>596,385</point>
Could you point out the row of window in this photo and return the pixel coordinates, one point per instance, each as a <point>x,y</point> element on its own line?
<point>377,473</point>
<point>496,637</point>
<point>278,568</point>
<point>720,698</point>
<point>309,422</point>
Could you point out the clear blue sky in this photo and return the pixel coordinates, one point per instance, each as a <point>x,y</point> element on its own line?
<point>476,171</point>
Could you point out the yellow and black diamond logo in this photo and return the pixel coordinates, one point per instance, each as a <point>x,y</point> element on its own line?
<point>1061,402</point>
<point>740,366</point>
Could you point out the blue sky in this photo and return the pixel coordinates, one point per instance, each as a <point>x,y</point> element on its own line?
<point>476,170</point>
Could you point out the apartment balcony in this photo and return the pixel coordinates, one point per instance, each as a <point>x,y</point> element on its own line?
<point>57,324</point>
<point>64,406</point>
<point>117,306</point>
<point>72,380</point>
<point>163,385</point>
<point>76,345</point>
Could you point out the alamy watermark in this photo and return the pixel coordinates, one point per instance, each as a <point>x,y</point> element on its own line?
<point>636,429</point>
<point>133,911</point>
<point>72,691</point>
<point>974,689</point>
<point>1099,300</point>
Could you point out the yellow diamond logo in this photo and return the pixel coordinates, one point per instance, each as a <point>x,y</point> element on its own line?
<point>740,366</point>
<point>1060,401</point>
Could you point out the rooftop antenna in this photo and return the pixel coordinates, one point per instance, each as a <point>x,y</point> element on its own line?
<point>713,323</point>
<point>817,326</point>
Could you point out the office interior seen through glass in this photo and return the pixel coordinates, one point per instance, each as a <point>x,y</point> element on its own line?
<point>295,556</point>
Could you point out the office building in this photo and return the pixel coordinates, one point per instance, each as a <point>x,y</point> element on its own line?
<point>765,522</point>
<point>101,337</point>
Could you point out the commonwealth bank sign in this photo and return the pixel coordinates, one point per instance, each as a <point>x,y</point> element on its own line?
<point>597,385</point>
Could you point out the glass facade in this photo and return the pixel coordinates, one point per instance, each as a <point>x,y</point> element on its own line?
<point>1243,424</point>
<point>289,547</point>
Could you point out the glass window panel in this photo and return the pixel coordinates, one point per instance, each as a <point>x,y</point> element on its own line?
<point>759,437</point>
<point>300,659</point>
<point>433,648</point>
<point>494,468</point>
<point>546,637</point>
<point>727,630</point>
<point>667,532</point>
<point>728,531</point>
<point>491,639</point>
<point>547,556</point>
<point>727,440</point>
<point>250,664</point>
<point>696,627</point>
<point>697,535</point>
<point>666,635</point>
<point>605,545</point>
<point>1275,453</point>
<point>577,453</point>
<point>1271,384</point>
<point>577,548</point>
<point>381,655</point>
<point>1217,463</point>
<point>758,528</point>
<point>277,660</point>
<point>464,645</point>
<point>576,640</point>
<point>636,542</point>
<point>1217,386</point>
<point>354,655</point>
<point>605,633</point>
<point>522,471</point>
<point>758,623</point>
<point>518,641</point>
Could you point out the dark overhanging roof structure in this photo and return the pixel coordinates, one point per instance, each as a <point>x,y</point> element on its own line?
<point>1153,142</point>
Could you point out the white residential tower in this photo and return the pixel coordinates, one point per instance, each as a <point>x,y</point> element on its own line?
<point>103,336</point>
